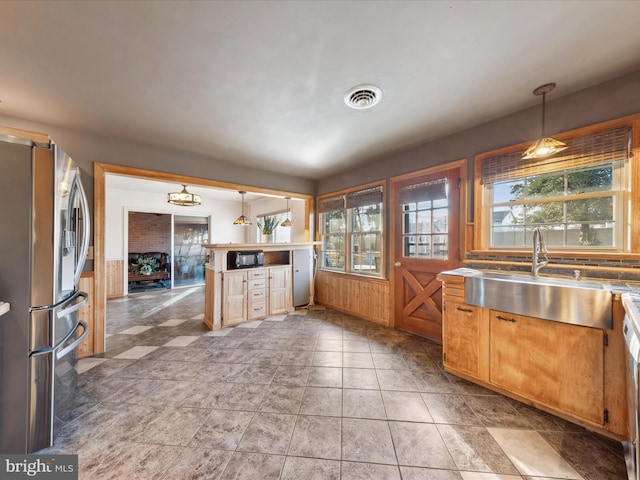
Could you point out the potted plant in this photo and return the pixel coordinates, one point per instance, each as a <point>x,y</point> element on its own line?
<point>267,227</point>
<point>145,266</point>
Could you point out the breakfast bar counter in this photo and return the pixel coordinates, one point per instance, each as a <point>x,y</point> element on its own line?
<point>234,296</point>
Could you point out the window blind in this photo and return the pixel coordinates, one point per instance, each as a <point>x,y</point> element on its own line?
<point>606,146</point>
<point>331,203</point>
<point>425,191</point>
<point>362,198</point>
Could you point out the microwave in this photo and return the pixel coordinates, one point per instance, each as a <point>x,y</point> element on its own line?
<point>245,259</point>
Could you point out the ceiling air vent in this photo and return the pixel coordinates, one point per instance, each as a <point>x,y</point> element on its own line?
<point>363,96</point>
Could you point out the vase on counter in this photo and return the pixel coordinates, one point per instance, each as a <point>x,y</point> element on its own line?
<point>267,238</point>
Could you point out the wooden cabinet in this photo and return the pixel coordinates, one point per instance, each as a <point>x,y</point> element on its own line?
<point>86,348</point>
<point>461,337</point>
<point>572,371</point>
<point>279,290</point>
<point>556,364</point>
<point>255,293</point>
<point>234,309</point>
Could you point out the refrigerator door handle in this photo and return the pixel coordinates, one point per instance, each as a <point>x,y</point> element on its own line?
<point>76,342</point>
<point>84,249</point>
<point>75,306</point>
<point>61,313</point>
<point>44,351</point>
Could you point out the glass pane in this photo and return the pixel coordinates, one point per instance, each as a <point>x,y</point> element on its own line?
<point>365,257</point>
<point>586,180</point>
<point>443,202</point>
<point>510,235</point>
<point>333,252</point>
<point>409,246</point>
<point>590,235</point>
<point>366,219</point>
<point>409,223</point>
<point>424,221</point>
<point>333,221</point>
<point>549,185</point>
<point>507,191</point>
<point>189,255</point>
<point>544,213</point>
<point>440,217</point>
<point>424,205</point>
<point>440,247</point>
<point>424,246</point>
<point>591,209</point>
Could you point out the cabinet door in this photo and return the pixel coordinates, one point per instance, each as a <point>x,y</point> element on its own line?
<point>234,298</point>
<point>279,289</point>
<point>461,337</point>
<point>556,364</point>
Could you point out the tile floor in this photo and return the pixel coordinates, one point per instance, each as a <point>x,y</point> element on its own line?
<point>310,395</point>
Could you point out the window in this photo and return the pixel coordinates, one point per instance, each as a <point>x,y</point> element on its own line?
<point>352,223</point>
<point>577,198</point>
<point>425,213</point>
<point>280,234</point>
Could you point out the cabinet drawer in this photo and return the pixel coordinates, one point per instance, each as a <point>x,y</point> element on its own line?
<point>257,273</point>
<point>256,283</point>
<point>454,290</point>
<point>257,293</point>
<point>257,308</point>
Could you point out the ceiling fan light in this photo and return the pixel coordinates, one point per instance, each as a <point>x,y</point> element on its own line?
<point>184,198</point>
<point>543,148</point>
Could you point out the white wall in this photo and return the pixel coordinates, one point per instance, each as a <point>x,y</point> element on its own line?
<point>223,213</point>
<point>119,201</point>
<point>272,205</point>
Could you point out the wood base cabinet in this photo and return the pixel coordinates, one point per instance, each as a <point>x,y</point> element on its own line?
<point>461,337</point>
<point>255,293</point>
<point>572,371</point>
<point>556,364</point>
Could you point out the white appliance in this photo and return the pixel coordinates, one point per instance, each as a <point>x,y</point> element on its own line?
<point>44,225</point>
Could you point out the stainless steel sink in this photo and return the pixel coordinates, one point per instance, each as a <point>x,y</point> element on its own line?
<point>578,302</point>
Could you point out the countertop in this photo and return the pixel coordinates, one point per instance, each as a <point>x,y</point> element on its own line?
<point>4,307</point>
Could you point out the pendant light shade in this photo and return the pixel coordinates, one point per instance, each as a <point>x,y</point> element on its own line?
<point>242,220</point>
<point>287,222</point>
<point>545,146</point>
<point>183,198</point>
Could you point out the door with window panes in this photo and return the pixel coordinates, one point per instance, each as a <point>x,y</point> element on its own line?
<point>425,230</point>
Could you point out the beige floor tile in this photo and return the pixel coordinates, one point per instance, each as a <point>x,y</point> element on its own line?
<point>532,455</point>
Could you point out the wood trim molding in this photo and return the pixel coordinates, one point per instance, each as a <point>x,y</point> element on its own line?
<point>100,171</point>
<point>480,238</point>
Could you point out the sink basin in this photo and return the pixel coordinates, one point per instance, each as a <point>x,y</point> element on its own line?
<point>578,302</point>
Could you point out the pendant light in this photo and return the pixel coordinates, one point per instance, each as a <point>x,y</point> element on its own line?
<point>545,146</point>
<point>287,222</point>
<point>242,220</point>
<point>183,198</point>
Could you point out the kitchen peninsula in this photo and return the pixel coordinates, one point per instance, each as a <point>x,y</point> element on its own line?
<point>237,296</point>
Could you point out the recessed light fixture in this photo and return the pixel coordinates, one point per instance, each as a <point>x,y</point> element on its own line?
<point>363,96</point>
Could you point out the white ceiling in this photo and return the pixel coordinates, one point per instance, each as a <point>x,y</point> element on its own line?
<point>261,83</point>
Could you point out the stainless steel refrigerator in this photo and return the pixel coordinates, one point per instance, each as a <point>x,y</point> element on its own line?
<point>44,238</point>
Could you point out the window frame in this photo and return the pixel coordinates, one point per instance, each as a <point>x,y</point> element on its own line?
<point>629,198</point>
<point>349,232</point>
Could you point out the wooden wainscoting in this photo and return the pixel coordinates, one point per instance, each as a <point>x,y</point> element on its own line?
<point>363,297</point>
<point>86,348</point>
<point>115,278</point>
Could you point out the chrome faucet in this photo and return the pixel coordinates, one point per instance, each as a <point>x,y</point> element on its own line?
<point>539,248</point>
